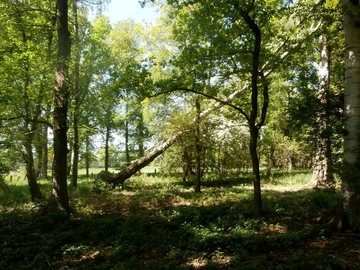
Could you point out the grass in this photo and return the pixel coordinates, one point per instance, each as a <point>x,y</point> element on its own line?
<point>160,223</point>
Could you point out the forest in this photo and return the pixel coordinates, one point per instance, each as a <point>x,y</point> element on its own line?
<point>222,135</point>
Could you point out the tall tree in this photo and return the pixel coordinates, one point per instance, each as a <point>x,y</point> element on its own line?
<point>323,169</point>
<point>28,31</point>
<point>76,99</point>
<point>349,211</point>
<point>59,192</point>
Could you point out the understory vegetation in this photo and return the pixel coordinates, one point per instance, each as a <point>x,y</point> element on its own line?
<point>161,223</point>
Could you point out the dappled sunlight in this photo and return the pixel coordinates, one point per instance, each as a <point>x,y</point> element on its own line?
<point>162,224</point>
<point>273,229</point>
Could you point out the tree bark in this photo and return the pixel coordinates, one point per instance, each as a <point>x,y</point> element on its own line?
<point>87,155</point>
<point>44,153</point>
<point>187,166</point>
<point>35,193</point>
<point>141,134</point>
<point>59,192</point>
<point>322,170</point>
<point>349,212</point>
<point>75,153</point>
<point>198,149</point>
<point>76,108</point>
<point>127,135</point>
<point>254,133</point>
<point>107,139</point>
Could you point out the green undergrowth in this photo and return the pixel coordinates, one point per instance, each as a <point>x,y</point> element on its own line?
<point>161,223</point>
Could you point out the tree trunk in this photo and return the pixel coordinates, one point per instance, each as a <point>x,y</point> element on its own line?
<point>76,95</point>
<point>187,167</point>
<point>198,149</point>
<point>38,151</point>
<point>254,133</point>
<point>127,150</point>
<point>59,192</point>
<point>322,171</point>
<point>44,152</point>
<point>75,153</point>
<point>349,212</point>
<point>35,192</point>
<point>107,139</point>
<point>270,164</point>
<point>87,155</point>
<point>252,119</point>
<point>140,163</point>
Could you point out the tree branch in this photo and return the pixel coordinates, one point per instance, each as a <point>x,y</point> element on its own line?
<point>265,101</point>
<point>241,111</point>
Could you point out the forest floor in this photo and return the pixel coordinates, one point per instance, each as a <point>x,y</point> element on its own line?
<point>160,223</point>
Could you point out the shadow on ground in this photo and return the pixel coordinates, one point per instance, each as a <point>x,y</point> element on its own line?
<point>177,229</point>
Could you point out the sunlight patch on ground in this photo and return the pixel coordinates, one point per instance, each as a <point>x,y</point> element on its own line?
<point>124,192</point>
<point>197,263</point>
<point>282,188</point>
<point>275,229</point>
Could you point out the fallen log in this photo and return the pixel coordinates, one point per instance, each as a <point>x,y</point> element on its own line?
<point>119,178</point>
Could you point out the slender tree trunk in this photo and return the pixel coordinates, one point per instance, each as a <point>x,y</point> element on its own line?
<point>187,168</point>
<point>107,139</point>
<point>35,192</point>
<point>349,209</point>
<point>254,133</point>
<point>75,154</point>
<point>255,127</point>
<point>127,150</point>
<point>87,156</point>
<point>41,152</point>
<point>322,171</point>
<point>141,136</point>
<point>270,160</point>
<point>44,152</point>
<point>38,151</point>
<point>76,96</point>
<point>59,192</point>
<point>198,149</point>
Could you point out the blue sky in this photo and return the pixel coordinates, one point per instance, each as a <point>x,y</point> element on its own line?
<point>123,9</point>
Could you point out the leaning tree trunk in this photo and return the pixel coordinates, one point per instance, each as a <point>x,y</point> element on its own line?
<point>59,191</point>
<point>140,163</point>
<point>322,170</point>
<point>349,212</point>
